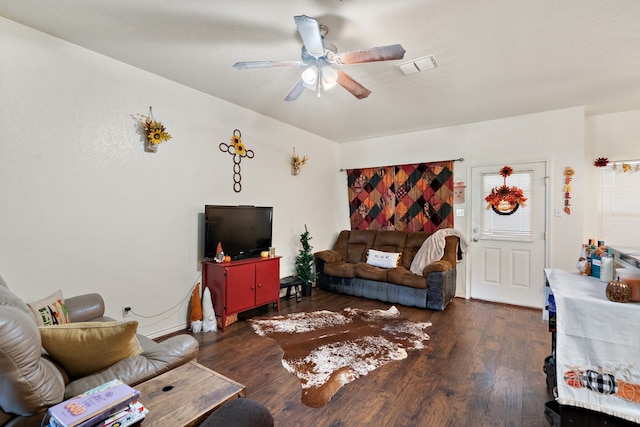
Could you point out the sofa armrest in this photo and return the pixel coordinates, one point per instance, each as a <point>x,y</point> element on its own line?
<point>84,308</point>
<point>157,358</point>
<point>436,266</point>
<point>172,352</point>
<point>29,383</point>
<point>448,260</point>
<point>451,250</point>
<point>328,255</point>
<point>4,417</point>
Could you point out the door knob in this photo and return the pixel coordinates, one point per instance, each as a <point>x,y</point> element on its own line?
<point>475,239</point>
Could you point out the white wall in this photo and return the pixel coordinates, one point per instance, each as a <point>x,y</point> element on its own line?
<point>84,209</point>
<point>554,136</point>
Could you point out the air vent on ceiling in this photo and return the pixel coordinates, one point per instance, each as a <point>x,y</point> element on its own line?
<point>417,65</point>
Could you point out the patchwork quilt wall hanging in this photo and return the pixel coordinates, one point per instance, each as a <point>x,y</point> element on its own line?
<point>415,197</point>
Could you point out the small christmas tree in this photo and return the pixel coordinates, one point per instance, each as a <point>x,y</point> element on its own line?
<point>304,260</point>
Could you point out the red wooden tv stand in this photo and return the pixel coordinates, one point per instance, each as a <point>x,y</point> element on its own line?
<point>238,286</point>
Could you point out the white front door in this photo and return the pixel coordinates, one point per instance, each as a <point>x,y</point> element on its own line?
<point>507,251</point>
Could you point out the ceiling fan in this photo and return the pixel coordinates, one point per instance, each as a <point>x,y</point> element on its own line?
<point>320,60</point>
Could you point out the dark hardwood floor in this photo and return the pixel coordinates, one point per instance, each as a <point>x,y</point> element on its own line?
<point>486,369</point>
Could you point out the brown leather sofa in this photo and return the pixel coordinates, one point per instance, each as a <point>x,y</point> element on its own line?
<point>30,382</point>
<point>344,269</point>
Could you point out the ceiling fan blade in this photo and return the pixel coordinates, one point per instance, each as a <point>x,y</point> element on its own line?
<point>295,91</point>
<point>310,32</point>
<point>382,53</point>
<point>355,88</point>
<point>266,64</point>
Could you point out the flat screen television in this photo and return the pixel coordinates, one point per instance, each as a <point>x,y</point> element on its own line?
<point>243,231</point>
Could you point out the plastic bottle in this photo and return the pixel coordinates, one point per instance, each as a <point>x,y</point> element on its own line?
<point>590,253</point>
<point>594,259</point>
<point>606,267</point>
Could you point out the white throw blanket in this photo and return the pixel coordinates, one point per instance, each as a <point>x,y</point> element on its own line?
<point>433,248</point>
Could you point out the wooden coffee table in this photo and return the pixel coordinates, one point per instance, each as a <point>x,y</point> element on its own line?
<point>185,396</point>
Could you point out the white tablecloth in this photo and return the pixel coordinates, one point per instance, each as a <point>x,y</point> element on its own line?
<point>597,346</point>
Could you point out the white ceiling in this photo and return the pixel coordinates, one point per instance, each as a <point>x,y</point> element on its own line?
<point>498,58</point>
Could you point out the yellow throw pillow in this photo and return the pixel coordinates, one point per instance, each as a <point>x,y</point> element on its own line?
<point>85,347</point>
<point>50,310</point>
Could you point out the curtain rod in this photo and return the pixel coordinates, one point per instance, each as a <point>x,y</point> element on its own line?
<point>461,159</point>
<point>625,161</point>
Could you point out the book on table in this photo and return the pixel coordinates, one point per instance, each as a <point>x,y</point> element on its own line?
<point>93,406</point>
<point>131,415</point>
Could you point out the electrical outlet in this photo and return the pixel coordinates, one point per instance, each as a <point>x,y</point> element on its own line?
<point>126,310</point>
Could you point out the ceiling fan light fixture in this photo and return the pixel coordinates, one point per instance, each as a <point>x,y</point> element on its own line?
<point>319,57</point>
<point>310,77</point>
<point>328,77</point>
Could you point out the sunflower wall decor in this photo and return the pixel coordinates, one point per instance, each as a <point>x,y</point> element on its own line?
<point>154,132</point>
<point>505,200</point>
<point>238,150</point>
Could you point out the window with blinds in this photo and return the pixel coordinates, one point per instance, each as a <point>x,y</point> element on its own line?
<point>619,204</point>
<point>515,227</point>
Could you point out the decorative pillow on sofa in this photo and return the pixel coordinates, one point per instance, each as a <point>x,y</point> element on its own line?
<point>383,259</point>
<point>85,347</point>
<point>50,310</point>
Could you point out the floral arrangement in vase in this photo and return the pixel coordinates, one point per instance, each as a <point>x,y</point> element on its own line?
<point>155,132</point>
<point>297,162</point>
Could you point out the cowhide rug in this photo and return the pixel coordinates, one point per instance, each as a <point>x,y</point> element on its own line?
<point>327,350</point>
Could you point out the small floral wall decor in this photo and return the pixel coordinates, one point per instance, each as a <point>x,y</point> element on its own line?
<point>601,162</point>
<point>154,132</point>
<point>238,150</point>
<point>505,200</point>
<point>297,162</point>
<point>568,177</point>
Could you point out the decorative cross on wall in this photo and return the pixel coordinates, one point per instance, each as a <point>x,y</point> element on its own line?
<point>238,151</point>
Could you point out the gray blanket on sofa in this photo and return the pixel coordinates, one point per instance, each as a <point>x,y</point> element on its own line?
<point>433,248</point>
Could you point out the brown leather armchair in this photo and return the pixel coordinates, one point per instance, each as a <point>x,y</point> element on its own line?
<point>30,382</point>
